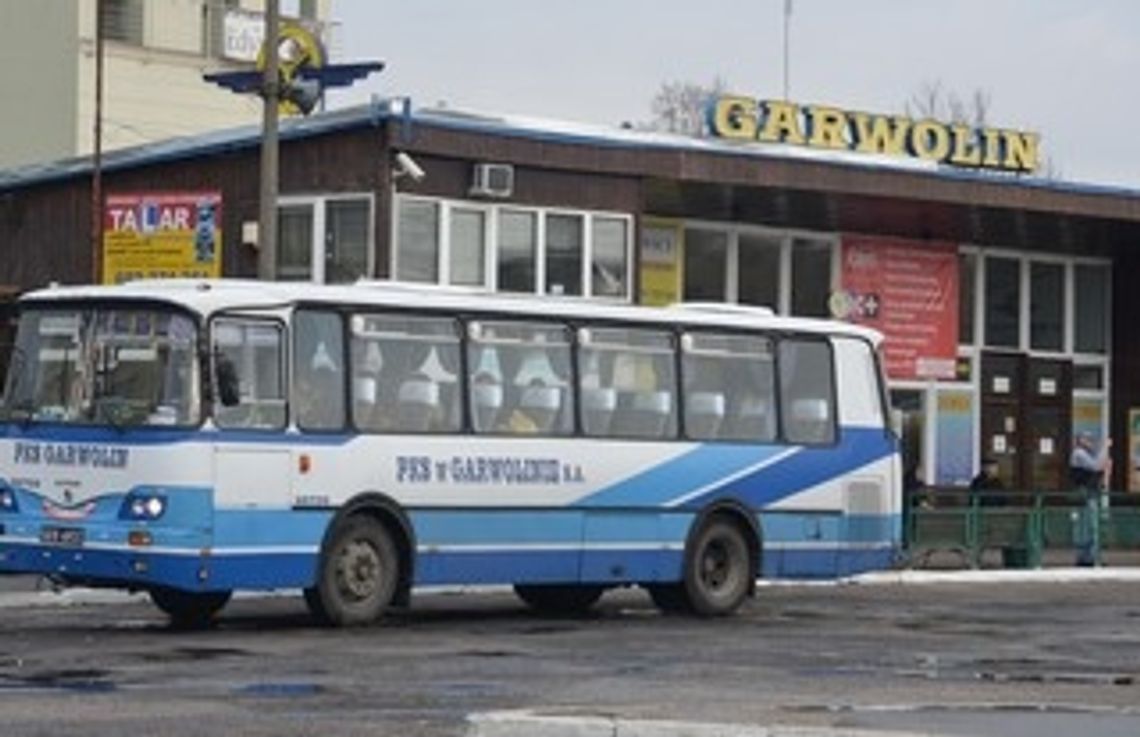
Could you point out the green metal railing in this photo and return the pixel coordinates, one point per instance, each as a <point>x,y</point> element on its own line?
<point>1022,525</point>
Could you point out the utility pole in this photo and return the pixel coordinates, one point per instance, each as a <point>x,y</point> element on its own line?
<point>97,155</point>
<point>271,96</point>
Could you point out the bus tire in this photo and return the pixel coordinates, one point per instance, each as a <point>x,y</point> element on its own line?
<point>719,570</point>
<point>189,609</point>
<point>559,598</point>
<point>357,574</point>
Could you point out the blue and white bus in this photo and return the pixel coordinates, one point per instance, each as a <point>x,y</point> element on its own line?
<point>190,438</point>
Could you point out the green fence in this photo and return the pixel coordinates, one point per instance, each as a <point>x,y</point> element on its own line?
<point>1021,525</point>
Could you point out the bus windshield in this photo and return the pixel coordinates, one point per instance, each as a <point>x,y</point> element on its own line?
<point>104,366</point>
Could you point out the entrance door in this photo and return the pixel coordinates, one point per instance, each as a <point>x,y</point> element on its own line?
<point>1002,427</point>
<point>1027,419</point>
<point>1049,402</point>
<point>324,239</point>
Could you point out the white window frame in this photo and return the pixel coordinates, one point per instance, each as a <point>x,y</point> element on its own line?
<point>491,241</point>
<point>317,244</point>
<point>786,237</point>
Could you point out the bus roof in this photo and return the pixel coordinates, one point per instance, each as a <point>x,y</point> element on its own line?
<point>208,296</point>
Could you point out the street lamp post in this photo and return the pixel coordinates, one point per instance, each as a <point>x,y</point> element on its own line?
<point>270,95</point>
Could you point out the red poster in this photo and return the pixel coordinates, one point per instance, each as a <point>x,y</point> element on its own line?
<point>907,290</point>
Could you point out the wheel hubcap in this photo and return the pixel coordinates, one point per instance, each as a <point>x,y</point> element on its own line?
<point>716,566</point>
<point>358,570</point>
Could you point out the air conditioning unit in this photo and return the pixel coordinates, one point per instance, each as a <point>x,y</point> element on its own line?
<point>493,180</point>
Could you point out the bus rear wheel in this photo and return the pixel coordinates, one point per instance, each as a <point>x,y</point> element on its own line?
<point>357,576</point>
<point>559,598</point>
<point>189,609</point>
<point>719,570</point>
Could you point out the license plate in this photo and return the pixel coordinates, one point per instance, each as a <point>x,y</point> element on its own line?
<point>62,536</point>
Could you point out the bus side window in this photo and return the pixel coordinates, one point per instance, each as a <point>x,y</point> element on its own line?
<point>627,383</point>
<point>318,370</point>
<point>520,378</point>
<point>254,352</point>
<point>405,374</point>
<point>860,396</point>
<point>728,385</point>
<point>806,391</point>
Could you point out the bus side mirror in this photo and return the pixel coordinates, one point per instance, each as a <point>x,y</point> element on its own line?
<point>229,387</point>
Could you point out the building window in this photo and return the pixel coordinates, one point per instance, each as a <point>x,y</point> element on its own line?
<point>468,251</point>
<point>564,254</point>
<point>512,249</point>
<point>967,267</point>
<point>417,241</point>
<point>518,248</point>
<point>706,258</point>
<point>122,20</point>
<point>811,277</point>
<point>346,241</point>
<point>1046,306</point>
<point>1003,302</point>
<point>758,275</point>
<point>609,275</point>
<point>324,239</point>
<point>295,242</point>
<point>1090,331</point>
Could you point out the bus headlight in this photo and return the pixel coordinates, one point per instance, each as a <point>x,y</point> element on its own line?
<point>143,507</point>
<point>8,501</point>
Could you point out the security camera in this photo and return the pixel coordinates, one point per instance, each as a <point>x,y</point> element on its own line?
<point>407,165</point>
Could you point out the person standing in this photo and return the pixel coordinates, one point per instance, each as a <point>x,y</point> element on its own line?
<point>1087,471</point>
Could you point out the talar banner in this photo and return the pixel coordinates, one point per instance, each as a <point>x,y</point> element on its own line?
<point>162,235</point>
<point>907,290</point>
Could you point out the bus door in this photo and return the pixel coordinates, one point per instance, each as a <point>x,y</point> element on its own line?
<point>248,370</point>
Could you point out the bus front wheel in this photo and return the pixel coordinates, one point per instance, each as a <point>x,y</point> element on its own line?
<point>559,599</point>
<point>357,577</point>
<point>189,609</point>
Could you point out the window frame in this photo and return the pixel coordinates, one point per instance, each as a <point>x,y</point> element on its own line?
<point>491,243</point>
<point>833,400</point>
<point>212,398</point>
<point>786,238</point>
<point>318,246</point>
<point>457,322</point>
<point>294,418</point>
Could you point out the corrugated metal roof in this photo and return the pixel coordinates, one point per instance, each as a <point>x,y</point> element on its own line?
<point>373,114</point>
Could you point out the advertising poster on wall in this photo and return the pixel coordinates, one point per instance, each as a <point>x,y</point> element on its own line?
<point>1134,449</point>
<point>955,433</point>
<point>660,277</point>
<point>908,290</point>
<point>162,235</point>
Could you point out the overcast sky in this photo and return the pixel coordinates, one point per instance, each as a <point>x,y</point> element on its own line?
<point>1065,68</point>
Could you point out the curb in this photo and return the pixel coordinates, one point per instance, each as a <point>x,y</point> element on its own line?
<point>1037,575</point>
<point>530,724</point>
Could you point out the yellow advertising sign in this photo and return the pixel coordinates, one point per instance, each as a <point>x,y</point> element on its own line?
<point>162,235</point>
<point>819,126</point>
<point>297,48</point>
<point>662,242</point>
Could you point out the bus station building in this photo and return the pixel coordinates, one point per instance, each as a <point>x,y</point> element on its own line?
<point>1005,298</point>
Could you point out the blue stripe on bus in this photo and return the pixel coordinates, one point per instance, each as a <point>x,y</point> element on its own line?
<point>714,471</point>
<point>266,527</point>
